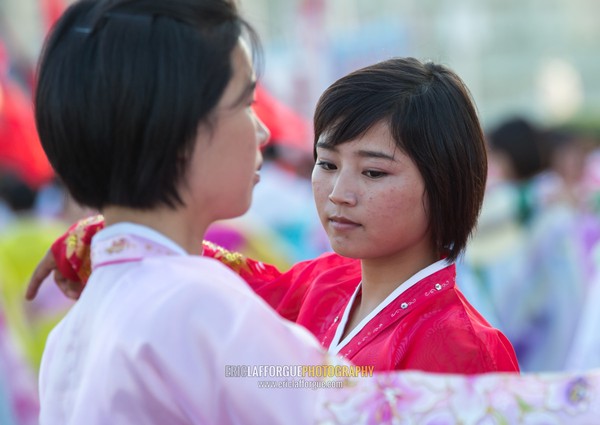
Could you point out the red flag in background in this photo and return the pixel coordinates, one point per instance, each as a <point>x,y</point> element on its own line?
<point>20,148</point>
<point>286,126</point>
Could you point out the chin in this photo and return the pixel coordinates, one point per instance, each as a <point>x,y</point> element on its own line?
<point>237,212</point>
<point>346,251</point>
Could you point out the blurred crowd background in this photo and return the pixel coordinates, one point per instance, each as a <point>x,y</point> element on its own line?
<point>533,266</point>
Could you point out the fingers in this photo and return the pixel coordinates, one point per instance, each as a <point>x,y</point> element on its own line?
<point>43,269</point>
<point>47,264</point>
<point>68,287</point>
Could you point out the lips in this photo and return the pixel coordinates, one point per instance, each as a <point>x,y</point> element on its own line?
<point>341,220</point>
<point>342,223</point>
<point>257,173</point>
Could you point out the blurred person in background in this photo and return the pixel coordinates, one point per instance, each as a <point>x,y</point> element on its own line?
<point>577,185</point>
<point>529,264</point>
<point>23,326</point>
<point>23,238</point>
<point>495,256</point>
<point>24,173</point>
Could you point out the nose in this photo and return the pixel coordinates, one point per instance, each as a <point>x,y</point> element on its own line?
<point>262,132</point>
<point>343,191</point>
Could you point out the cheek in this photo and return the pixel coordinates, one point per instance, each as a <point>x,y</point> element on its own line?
<point>320,192</point>
<point>386,206</point>
<point>242,154</point>
<point>397,207</point>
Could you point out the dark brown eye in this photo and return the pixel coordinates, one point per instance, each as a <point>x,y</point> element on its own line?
<point>325,165</point>
<point>374,174</point>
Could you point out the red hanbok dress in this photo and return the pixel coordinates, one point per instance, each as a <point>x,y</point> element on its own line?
<point>426,324</point>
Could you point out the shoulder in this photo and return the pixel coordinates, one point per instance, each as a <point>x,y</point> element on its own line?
<point>188,290</point>
<point>462,340</point>
<point>191,302</point>
<point>194,274</point>
<point>441,311</point>
<point>451,342</point>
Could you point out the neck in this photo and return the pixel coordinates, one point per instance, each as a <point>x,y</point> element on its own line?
<point>173,223</point>
<point>381,276</point>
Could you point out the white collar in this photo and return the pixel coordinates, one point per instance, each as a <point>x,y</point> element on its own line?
<point>138,230</point>
<point>336,345</point>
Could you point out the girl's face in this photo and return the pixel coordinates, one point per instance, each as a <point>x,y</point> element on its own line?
<point>226,160</point>
<point>371,198</point>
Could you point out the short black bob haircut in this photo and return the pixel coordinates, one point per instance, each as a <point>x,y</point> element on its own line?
<point>123,86</point>
<point>433,120</point>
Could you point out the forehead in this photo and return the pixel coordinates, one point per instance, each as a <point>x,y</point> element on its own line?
<point>378,135</point>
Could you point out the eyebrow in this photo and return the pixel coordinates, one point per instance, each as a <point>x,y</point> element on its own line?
<point>375,154</point>
<point>363,153</point>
